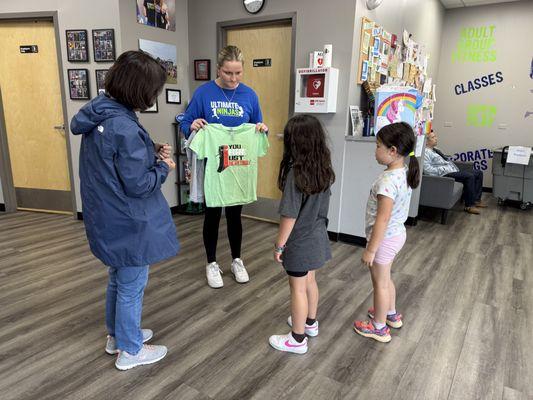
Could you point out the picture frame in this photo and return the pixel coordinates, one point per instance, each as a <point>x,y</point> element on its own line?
<point>202,70</point>
<point>100,75</point>
<point>77,45</point>
<point>166,54</point>
<point>104,45</point>
<point>153,109</point>
<point>173,96</point>
<point>78,84</point>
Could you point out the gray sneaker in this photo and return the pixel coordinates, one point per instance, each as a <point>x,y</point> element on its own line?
<point>148,355</point>
<point>111,345</point>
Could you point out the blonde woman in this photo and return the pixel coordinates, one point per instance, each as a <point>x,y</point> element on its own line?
<point>227,101</point>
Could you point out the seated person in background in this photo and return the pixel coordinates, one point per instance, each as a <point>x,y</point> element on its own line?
<point>436,164</point>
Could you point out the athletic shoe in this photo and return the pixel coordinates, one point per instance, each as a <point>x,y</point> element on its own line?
<point>148,355</point>
<point>111,345</point>
<point>394,321</point>
<point>288,343</point>
<point>212,272</point>
<point>310,330</point>
<point>238,270</point>
<point>367,329</point>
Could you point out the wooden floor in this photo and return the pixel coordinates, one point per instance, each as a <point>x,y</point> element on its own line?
<point>465,289</point>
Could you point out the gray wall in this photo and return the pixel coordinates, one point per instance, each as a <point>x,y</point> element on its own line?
<point>319,23</point>
<point>159,125</point>
<point>424,20</point>
<point>119,15</point>
<point>512,97</point>
<point>74,14</point>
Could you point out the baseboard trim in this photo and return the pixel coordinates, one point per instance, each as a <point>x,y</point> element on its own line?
<point>345,238</point>
<point>2,207</point>
<point>487,189</point>
<point>79,216</point>
<point>411,221</point>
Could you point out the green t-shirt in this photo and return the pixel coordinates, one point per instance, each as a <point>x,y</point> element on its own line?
<point>231,169</point>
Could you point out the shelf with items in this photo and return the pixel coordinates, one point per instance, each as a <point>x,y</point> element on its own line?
<point>185,206</point>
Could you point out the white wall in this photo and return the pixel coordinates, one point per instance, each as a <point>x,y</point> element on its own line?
<point>513,30</point>
<point>424,20</point>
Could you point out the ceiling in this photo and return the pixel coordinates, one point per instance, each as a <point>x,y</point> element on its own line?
<point>470,3</point>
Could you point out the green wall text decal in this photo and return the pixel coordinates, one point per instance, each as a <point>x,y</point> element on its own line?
<point>480,115</point>
<point>476,44</point>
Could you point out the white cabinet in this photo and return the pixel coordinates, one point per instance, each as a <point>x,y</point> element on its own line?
<point>316,90</point>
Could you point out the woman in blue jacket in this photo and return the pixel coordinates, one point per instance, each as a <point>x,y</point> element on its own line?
<point>127,219</point>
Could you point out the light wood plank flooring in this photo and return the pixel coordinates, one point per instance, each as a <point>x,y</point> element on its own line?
<point>465,290</point>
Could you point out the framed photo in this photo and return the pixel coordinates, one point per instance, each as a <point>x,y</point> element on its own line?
<point>104,45</point>
<point>173,96</point>
<point>166,54</point>
<point>78,84</point>
<point>77,48</point>
<point>152,109</point>
<point>100,80</point>
<point>202,70</point>
<point>159,14</point>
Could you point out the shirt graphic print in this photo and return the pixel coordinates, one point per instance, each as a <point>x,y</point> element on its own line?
<point>231,167</point>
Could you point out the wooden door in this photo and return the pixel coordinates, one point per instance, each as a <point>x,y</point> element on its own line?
<point>31,97</point>
<point>272,85</point>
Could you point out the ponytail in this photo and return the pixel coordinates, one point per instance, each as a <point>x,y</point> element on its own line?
<point>413,175</point>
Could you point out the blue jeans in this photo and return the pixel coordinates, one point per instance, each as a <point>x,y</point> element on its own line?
<point>472,185</point>
<point>124,303</point>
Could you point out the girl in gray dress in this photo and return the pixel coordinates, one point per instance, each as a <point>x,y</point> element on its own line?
<point>302,246</point>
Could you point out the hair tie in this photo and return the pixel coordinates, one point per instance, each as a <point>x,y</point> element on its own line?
<point>412,154</point>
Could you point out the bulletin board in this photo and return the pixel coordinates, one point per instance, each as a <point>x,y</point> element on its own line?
<point>374,50</point>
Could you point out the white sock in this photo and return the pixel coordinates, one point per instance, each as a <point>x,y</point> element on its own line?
<point>377,325</point>
<point>391,312</point>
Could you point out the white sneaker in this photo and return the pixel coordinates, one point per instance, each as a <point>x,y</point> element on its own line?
<point>214,279</point>
<point>288,343</point>
<point>148,355</point>
<point>111,344</point>
<point>237,268</point>
<point>310,330</point>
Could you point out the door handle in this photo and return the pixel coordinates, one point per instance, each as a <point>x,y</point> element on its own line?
<point>59,127</point>
<point>279,136</point>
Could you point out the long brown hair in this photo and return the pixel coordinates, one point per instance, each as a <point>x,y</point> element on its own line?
<point>401,136</point>
<point>305,151</point>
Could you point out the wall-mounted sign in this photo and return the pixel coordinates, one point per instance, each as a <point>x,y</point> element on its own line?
<point>263,62</point>
<point>478,83</point>
<point>31,48</point>
<point>476,44</point>
<point>480,115</point>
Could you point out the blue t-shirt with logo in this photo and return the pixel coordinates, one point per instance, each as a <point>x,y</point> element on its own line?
<point>228,107</point>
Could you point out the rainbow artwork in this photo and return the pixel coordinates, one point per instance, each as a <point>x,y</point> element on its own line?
<point>395,106</point>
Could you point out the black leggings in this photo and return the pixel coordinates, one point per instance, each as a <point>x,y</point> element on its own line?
<point>211,223</point>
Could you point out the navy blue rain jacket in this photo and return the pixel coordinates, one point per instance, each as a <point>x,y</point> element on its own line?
<point>127,218</point>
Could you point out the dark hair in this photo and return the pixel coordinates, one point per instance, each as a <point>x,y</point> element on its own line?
<point>135,80</point>
<point>306,152</point>
<point>401,136</point>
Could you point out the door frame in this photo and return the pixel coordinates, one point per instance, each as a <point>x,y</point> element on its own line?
<point>224,26</point>
<point>6,173</point>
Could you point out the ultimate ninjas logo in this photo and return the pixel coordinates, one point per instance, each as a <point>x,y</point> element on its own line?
<point>230,155</point>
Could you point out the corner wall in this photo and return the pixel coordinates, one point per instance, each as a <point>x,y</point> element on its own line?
<point>482,119</point>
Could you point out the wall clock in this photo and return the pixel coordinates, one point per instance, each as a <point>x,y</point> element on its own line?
<point>253,6</point>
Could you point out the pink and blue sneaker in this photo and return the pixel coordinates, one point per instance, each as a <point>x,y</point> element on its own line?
<point>288,343</point>
<point>394,321</point>
<point>367,329</point>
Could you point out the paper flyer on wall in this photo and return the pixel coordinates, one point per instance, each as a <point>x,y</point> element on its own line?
<point>395,104</point>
